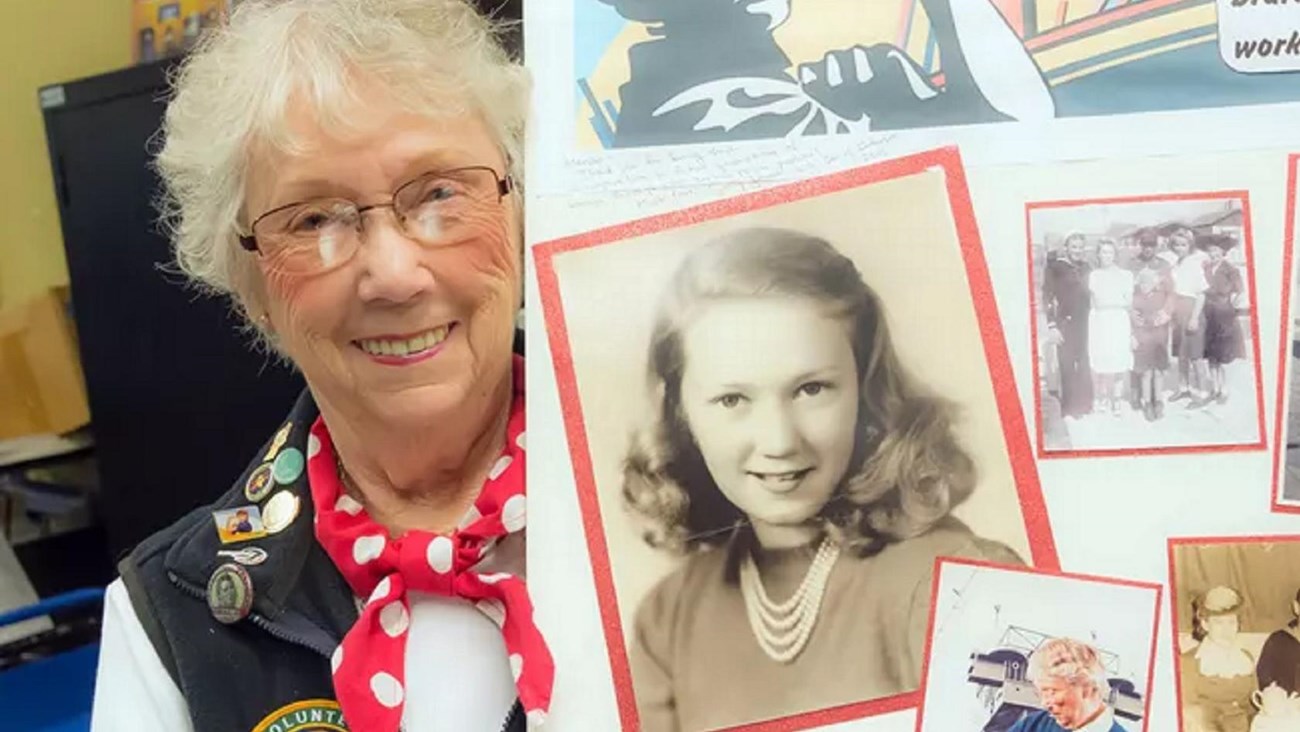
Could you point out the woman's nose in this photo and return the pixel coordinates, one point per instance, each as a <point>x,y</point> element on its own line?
<point>775,432</point>
<point>392,263</point>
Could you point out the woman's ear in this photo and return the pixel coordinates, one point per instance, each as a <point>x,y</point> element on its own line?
<point>255,303</point>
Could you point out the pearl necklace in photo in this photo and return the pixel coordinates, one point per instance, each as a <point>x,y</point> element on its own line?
<point>783,629</point>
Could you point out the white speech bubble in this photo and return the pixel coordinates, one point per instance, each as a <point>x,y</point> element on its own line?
<point>1260,36</point>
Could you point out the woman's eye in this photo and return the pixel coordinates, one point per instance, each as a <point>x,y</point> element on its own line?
<point>729,401</point>
<point>813,388</point>
<point>438,192</point>
<point>308,223</point>
<point>314,220</point>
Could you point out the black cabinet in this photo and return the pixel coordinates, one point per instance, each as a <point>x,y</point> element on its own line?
<point>179,402</point>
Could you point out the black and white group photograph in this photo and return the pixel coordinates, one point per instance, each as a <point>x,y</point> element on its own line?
<point>1145,326</point>
<point>1021,651</point>
<point>1236,608</point>
<point>791,419</point>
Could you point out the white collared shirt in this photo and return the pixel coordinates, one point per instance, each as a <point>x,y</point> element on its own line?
<point>1189,275</point>
<point>1223,661</point>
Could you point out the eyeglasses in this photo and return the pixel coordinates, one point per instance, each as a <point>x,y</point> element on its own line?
<point>312,237</point>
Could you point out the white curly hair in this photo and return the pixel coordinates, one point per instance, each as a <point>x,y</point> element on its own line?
<point>1071,660</point>
<point>230,98</point>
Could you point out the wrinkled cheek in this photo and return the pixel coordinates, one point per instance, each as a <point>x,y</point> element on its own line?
<point>483,262</point>
<point>282,284</point>
<point>289,300</point>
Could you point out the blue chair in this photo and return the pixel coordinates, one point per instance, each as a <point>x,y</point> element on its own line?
<point>51,693</point>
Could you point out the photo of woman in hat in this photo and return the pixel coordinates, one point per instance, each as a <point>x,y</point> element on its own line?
<point>1218,675</point>
<point>807,478</point>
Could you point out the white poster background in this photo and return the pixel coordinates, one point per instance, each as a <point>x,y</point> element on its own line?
<point>1111,516</point>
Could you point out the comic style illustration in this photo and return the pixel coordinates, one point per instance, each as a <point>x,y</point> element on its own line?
<point>656,72</point>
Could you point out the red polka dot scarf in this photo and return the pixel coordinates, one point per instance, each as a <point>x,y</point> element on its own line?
<point>369,666</point>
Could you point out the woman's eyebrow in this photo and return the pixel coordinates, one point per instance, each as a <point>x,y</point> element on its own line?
<point>305,189</point>
<point>438,160</point>
<point>293,190</point>
<point>817,373</point>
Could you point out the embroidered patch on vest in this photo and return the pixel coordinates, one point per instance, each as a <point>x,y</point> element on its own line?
<point>310,715</point>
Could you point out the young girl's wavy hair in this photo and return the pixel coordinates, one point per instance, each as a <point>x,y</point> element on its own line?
<point>907,470</point>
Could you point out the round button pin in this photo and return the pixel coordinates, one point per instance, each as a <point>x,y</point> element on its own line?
<point>259,483</point>
<point>288,466</point>
<point>280,511</point>
<point>230,593</point>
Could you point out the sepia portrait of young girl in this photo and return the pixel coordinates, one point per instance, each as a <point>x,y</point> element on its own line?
<point>807,480</point>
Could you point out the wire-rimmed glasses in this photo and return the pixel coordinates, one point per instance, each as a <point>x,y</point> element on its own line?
<point>318,235</point>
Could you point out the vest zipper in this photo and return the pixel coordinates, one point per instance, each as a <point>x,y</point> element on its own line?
<point>258,620</point>
<point>287,637</point>
<point>515,711</point>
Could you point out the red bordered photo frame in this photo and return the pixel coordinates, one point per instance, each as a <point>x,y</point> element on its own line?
<point>934,597</point>
<point>1011,416</point>
<point>1173,592</point>
<point>1261,443</point>
<point>1285,337</point>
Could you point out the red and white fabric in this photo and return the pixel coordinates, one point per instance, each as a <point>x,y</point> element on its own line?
<point>369,665</point>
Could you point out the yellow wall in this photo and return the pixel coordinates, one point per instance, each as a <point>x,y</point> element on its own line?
<point>42,42</point>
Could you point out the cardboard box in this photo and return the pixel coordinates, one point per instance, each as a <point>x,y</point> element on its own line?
<point>42,389</point>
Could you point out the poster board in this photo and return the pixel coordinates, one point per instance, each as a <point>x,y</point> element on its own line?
<point>1140,499</point>
<point>1217,139</point>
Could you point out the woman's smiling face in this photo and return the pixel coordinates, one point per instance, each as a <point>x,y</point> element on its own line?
<point>770,391</point>
<point>402,329</point>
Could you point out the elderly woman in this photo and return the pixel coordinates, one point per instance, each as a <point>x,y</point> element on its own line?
<point>344,171</point>
<point>1073,689</point>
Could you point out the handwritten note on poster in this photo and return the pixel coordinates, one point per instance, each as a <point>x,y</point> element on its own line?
<point>773,161</point>
<point>1260,36</point>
